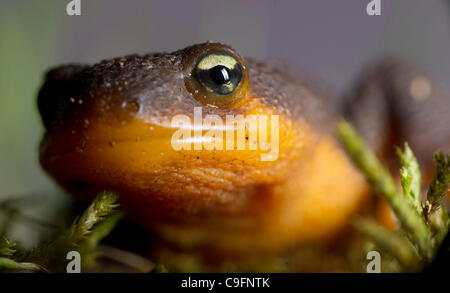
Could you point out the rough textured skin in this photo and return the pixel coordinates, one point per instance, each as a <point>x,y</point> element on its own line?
<point>108,127</point>
<point>155,82</point>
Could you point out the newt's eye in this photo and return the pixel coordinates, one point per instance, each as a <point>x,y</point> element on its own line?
<point>216,75</point>
<point>219,74</point>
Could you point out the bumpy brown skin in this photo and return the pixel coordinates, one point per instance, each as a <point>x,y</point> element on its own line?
<point>156,83</point>
<point>108,127</point>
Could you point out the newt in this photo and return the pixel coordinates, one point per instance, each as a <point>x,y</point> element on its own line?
<point>108,126</point>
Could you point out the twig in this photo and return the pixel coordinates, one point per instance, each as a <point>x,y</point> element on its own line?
<point>384,184</point>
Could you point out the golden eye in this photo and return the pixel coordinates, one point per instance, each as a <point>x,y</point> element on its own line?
<point>216,76</point>
<point>219,74</point>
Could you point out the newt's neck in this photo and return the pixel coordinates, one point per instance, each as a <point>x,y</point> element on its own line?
<point>314,203</point>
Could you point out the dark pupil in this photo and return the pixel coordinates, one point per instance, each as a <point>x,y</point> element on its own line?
<point>220,79</point>
<point>219,74</point>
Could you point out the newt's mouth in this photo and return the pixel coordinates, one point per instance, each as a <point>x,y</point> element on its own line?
<point>137,157</point>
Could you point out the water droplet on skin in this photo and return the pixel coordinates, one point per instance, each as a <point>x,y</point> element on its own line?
<point>131,107</point>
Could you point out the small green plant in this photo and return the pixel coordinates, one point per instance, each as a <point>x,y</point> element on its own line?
<point>423,225</point>
<point>83,235</point>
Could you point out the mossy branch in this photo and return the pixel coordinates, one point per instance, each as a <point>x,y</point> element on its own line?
<point>434,213</point>
<point>410,177</point>
<point>394,243</point>
<point>9,264</point>
<point>102,206</point>
<point>52,255</point>
<point>439,185</point>
<point>6,247</point>
<point>383,183</point>
<point>99,232</point>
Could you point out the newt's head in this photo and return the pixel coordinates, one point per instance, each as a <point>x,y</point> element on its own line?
<point>110,126</point>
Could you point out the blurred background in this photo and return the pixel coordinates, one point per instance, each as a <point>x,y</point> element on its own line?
<point>330,39</point>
